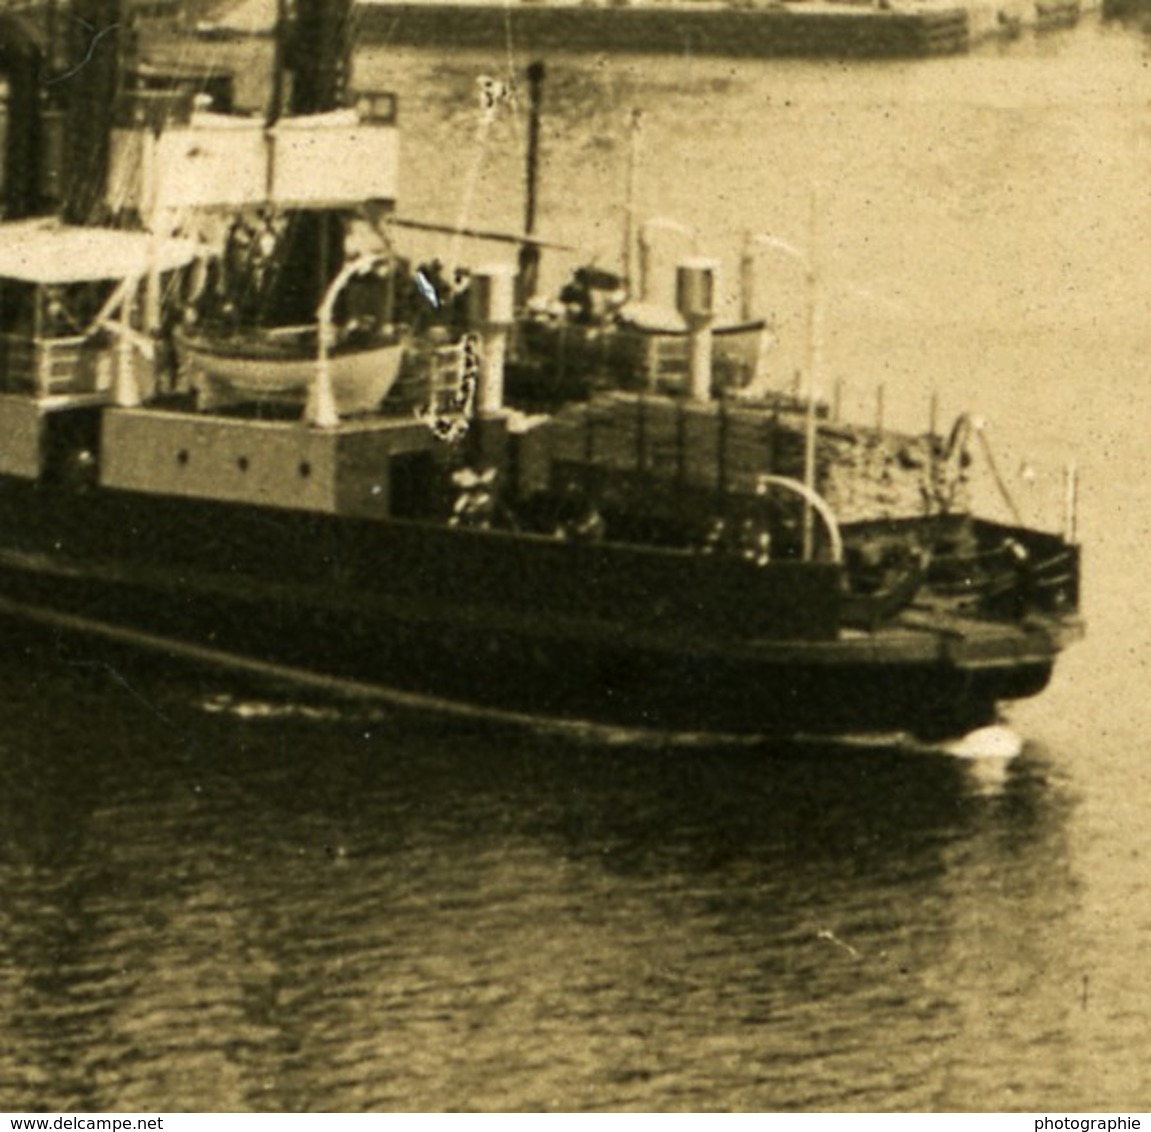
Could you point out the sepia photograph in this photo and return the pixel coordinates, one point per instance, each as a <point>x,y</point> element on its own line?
<point>575,556</point>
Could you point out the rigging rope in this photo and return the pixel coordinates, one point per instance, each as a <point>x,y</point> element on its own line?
<point>493,92</point>
<point>1000,483</point>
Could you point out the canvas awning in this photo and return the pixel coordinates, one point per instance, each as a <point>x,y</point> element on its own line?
<point>337,159</point>
<point>50,253</point>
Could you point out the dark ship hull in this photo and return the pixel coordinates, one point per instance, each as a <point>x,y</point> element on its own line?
<point>503,622</point>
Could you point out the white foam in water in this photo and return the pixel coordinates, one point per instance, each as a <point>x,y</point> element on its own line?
<point>994,742</point>
<point>225,703</point>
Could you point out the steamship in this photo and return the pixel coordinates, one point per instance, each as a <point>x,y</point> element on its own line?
<point>188,467</point>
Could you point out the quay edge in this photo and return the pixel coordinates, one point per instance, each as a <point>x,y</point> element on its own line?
<point>810,29</point>
<point>742,29</point>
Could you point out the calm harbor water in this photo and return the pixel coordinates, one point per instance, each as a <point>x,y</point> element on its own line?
<point>213,897</point>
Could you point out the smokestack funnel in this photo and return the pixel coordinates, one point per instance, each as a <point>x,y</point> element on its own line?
<point>695,299</point>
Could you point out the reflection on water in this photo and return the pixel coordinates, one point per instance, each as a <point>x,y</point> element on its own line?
<point>213,899</point>
<point>271,907</point>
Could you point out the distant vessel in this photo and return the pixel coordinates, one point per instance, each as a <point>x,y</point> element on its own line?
<point>706,27</point>
<point>813,28</point>
<point>732,28</point>
<point>668,559</point>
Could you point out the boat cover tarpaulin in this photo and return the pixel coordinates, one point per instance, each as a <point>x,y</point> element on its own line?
<point>47,252</point>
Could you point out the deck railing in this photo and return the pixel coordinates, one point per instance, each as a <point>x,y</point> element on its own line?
<point>52,366</point>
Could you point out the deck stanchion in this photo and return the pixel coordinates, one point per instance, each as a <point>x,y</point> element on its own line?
<point>126,391</point>
<point>1071,503</point>
<point>814,367</point>
<point>747,297</point>
<point>630,205</point>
